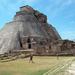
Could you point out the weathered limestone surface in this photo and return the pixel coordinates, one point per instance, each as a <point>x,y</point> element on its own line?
<point>28,23</point>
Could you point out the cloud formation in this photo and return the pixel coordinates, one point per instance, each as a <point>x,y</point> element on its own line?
<point>27,1</point>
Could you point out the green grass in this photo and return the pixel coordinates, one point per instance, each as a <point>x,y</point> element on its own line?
<point>41,66</point>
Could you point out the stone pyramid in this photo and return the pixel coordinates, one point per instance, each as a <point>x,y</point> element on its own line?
<point>26,23</point>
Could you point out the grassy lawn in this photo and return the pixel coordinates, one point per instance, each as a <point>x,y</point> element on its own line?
<point>42,66</point>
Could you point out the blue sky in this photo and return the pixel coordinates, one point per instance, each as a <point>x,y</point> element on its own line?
<point>60,13</point>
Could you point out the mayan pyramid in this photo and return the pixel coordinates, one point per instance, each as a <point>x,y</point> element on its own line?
<point>27,23</point>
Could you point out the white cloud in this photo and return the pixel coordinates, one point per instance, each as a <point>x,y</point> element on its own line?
<point>69,35</point>
<point>27,1</point>
<point>59,6</point>
<point>30,0</point>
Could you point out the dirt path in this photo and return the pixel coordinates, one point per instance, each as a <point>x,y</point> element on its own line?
<point>71,69</point>
<point>66,68</point>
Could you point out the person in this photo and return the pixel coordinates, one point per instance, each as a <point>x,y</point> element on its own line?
<point>31,58</point>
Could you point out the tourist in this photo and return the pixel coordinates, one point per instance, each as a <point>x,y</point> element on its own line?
<point>31,58</point>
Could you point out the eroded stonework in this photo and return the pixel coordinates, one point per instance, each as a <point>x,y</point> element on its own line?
<point>30,24</point>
